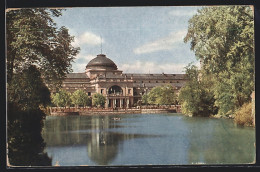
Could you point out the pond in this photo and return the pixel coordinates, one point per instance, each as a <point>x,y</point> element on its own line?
<point>146,139</point>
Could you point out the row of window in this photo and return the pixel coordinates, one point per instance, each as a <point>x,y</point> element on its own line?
<point>76,85</point>
<point>162,82</point>
<point>102,91</point>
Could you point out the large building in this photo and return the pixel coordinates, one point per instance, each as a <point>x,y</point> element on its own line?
<point>122,90</point>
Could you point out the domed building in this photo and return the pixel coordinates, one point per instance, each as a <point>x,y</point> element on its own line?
<point>122,90</point>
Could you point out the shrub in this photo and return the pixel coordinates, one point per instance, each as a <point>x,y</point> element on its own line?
<point>243,116</point>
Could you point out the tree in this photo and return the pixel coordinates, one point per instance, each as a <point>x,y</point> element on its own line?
<point>25,143</point>
<point>28,91</point>
<point>79,97</point>
<point>196,97</point>
<point>26,94</point>
<point>34,39</point>
<point>223,39</point>
<point>154,95</point>
<point>61,98</point>
<point>145,99</point>
<point>37,53</point>
<point>162,95</point>
<point>98,100</point>
<point>168,96</point>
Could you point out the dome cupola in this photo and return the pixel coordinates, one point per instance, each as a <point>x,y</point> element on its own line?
<point>101,62</point>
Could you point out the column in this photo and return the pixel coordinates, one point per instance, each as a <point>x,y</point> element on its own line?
<point>107,102</point>
<point>120,103</point>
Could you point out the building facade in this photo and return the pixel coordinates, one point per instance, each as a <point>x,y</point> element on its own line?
<point>122,90</point>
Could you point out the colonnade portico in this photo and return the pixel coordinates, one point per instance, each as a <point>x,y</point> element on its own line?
<point>117,97</point>
<point>117,102</point>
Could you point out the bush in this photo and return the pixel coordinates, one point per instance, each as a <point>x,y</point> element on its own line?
<point>243,116</point>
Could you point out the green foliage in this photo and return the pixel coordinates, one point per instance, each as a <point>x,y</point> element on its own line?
<point>154,95</point>
<point>98,100</point>
<point>222,36</point>
<point>243,116</point>
<point>61,98</point>
<point>37,53</point>
<point>197,97</point>
<point>145,99</point>
<point>25,142</point>
<point>27,90</point>
<point>168,96</point>
<point>80,97</point>
<point>33,38</point>
<point>223,39</point>
<point>162,95</point>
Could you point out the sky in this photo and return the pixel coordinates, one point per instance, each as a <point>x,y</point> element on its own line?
<point>137,39</point>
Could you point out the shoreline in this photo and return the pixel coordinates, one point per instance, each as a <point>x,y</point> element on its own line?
<point>113,112</point>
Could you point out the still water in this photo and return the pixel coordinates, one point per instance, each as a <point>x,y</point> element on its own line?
<point>146,139</point>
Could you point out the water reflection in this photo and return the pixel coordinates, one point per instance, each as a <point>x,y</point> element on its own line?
<point>217,141</point>
<point>158,139</point>
<point>98,133</point>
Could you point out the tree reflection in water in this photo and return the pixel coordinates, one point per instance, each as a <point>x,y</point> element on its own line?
<point>221,135</point>
<point>94,131</point>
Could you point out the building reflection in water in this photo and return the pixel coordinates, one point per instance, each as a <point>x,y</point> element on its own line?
<point>101,134</point>
<point>102,145</point>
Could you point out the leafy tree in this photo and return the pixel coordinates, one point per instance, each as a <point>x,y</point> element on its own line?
<point>79,97</point>
<point>197,97</point>
<point>37,53</point>
<point>33,38</point>
<point>98,100</point>
<point>162,95</point>
<point>168,96</point>
<point>154,95</point>
<point>145,99</point>
<point>61,98</point>
<point>26,94</point>
<point>25,143</point>
<point>27,90</point>
<point>223,39</point>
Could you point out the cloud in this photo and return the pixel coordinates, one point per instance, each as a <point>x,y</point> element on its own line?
<point>81,61</point>
<point>87,38</point>
<point>182,13</point>
<point>166,43</point>
<point>137,67</point>
<point>151,67</point>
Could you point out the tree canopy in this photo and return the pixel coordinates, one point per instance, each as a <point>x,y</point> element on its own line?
<point>79,97</point>
<point>27,90</point>
<point>197,97</point>
<point>223,39</point>
<point>34,39</point>
<point>37,53</point>
<point>61,98</point>
<point>98,100</point>
<point>162,95</point>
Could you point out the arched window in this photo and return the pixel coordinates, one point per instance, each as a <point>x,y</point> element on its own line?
<point>115,90</point>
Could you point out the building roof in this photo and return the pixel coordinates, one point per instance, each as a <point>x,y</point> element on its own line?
<point>76,75</point>
<point>155,76</point>
<point>101,62</point>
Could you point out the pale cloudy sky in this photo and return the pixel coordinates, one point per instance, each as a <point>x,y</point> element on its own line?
<point>137,39</point>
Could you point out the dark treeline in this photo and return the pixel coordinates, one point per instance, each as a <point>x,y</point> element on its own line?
<point>37,53</point>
